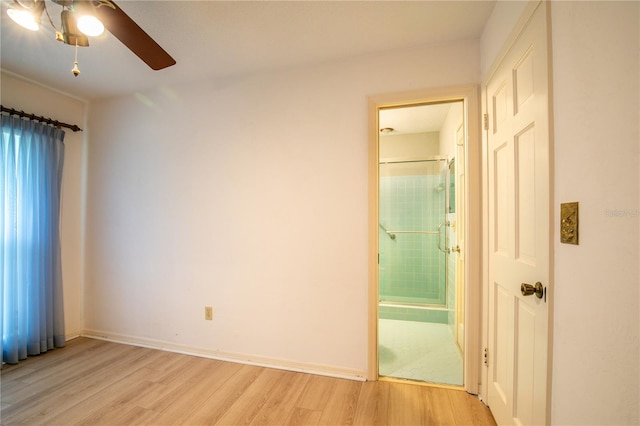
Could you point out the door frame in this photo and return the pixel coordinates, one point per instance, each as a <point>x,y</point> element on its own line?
<point>469,94</point>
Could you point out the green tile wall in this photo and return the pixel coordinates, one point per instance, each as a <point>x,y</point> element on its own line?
<point>411,266</point>
<point>413,314</point>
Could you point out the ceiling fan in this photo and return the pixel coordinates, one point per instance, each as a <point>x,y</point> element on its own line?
<point>76,19</point>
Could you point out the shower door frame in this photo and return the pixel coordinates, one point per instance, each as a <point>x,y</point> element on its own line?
<point>469,94</point>
<point>435,231</point>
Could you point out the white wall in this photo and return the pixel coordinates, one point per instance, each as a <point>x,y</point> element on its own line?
<point>32,98</point>
<point>596,110</point>
<point>249,195</point>
<point>596,92</point>
<point>408,146</point>
<point>449,129</point>
<point>499,26</point>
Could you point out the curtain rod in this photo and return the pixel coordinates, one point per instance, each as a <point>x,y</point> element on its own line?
<point>51,121</point>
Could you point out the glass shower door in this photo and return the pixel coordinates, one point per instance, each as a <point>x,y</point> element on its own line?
<point>412,267</point>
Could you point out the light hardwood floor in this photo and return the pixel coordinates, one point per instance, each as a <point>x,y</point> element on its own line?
<point>94,382</point>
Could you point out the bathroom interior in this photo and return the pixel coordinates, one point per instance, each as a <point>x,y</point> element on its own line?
<point>421,243</point>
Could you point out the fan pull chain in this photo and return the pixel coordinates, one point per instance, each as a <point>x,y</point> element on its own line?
<point>75,70</point>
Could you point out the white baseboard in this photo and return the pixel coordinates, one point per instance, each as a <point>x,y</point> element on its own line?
<point>72,335</point>
<point>317,369</point>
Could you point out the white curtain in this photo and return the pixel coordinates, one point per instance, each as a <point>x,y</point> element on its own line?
<point>32,318</point>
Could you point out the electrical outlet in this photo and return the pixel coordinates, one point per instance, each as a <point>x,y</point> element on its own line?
<point>208,313</point>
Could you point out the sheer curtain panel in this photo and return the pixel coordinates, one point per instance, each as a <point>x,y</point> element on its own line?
<point>32,318</point>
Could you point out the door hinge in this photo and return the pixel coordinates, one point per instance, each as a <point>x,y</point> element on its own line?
<point>486,356</point>
<point>485,119</point>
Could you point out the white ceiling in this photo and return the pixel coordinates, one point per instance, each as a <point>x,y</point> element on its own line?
<point>415,119</point>
<point>221,39</point>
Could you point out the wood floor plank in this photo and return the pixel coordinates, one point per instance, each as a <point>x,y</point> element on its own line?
<point>52,357</point>
<point>108,410</point>
<point>281,404</point>
<point>56,392</point>
<point>373,404</point>
<point>473,414</point>
<point>98,391</point>
<point>340,408</point>
<point>316,393</point>
<point>439,409</point>
<point>51,376</point>
<point>93,382</point>
<point>303,417</point>
<point>183,398</point>
<point>161,395</point>
<point>131,417</point>
<point>406,406</point>
<point>256,396</point>
<point>159,379</point>
<point>225,396</point>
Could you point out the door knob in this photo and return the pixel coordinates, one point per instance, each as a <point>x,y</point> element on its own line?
<point>528,289</point>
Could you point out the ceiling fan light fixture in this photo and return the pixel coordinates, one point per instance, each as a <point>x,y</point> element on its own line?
<point>90,25</point>
<point>70,32</point>
<point>28,14</point>
<point>26,18</point>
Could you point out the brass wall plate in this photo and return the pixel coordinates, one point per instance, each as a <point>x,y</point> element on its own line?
<point>569,223</point>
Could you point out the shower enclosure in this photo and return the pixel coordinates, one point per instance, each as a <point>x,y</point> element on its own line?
<point>414,237</point>
<point>416,272</point>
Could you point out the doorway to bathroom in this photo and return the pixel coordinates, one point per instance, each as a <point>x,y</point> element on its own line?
<point>421,269</point>
<point>453,309</point>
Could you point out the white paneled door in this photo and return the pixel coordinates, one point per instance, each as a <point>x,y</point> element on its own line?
<point>519,228</point>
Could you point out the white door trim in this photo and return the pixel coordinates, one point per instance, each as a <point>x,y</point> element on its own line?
<point>470,95</point>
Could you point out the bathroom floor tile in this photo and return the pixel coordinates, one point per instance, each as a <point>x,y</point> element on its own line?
<point>419,351</point>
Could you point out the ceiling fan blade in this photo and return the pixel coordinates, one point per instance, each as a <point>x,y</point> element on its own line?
<point>131,35</point>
